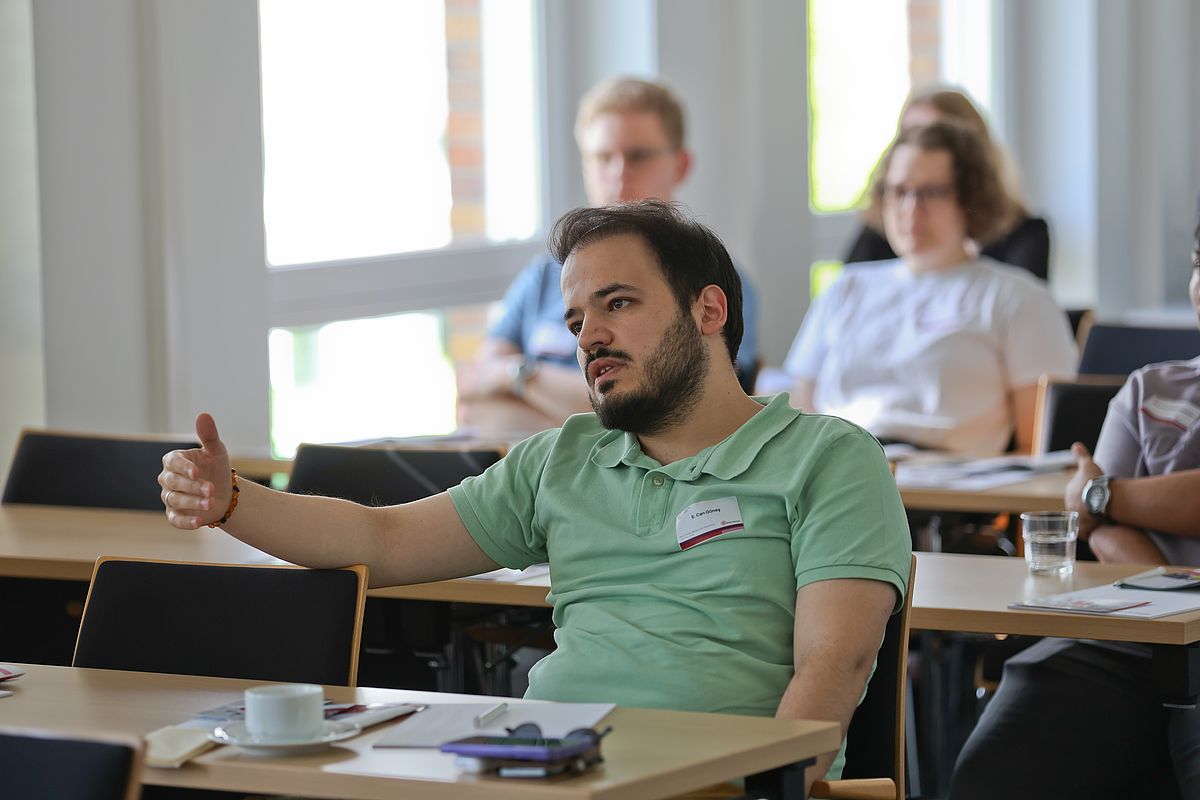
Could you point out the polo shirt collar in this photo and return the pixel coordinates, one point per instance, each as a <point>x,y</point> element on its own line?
<point>724,460</point>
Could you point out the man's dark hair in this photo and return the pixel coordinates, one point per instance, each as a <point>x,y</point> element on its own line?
<point>689,254</point>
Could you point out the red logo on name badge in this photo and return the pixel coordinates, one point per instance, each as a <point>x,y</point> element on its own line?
<point>700,538</point>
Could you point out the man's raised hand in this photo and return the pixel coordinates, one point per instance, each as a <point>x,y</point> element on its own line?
<point>196,488</point>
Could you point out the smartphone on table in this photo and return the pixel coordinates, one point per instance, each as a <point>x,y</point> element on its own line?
<point>519,748</point>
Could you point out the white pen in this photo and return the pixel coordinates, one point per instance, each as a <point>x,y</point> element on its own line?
<point>491,715</point>
<point>1150,573</point>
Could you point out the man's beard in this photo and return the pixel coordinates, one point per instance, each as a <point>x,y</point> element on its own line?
<point>672,377</point>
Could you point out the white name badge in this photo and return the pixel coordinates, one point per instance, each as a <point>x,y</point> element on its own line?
<point>552,339</point>
<point>702,521</point>
<point>1179,413</point>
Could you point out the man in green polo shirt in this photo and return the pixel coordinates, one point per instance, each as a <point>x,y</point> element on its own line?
<point>708,551</point>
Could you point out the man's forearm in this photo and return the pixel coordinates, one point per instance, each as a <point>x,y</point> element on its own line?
<point>1166,503</point>
<point>1120,544</point>
<point>319,532</point>
<point>557,391</point>
<point>416,542</point>
<point>824,689</point>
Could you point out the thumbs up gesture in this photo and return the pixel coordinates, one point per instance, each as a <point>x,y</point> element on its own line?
<point>196,487</point>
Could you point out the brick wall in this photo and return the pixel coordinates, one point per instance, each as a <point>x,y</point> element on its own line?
<point>924,35</point>
<point>464,126</point>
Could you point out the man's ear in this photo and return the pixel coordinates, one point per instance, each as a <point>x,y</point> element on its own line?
<point>683,165</point>
<point>711,310</point>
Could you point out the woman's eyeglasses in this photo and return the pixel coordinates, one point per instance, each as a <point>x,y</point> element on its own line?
<point>921,195</point>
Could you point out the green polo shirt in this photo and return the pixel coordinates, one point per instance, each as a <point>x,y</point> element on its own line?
<point>662,602</point>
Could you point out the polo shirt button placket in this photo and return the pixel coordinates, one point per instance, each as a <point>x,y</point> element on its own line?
<point>652,510</point>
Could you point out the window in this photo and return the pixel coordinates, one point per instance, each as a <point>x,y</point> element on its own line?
<point>360,379</point>
<point>398,140</point>
<point>865,56</point>
<point>396,127</point>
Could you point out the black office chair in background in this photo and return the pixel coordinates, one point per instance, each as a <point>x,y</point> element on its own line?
<point>61,468</point>
<point>407,644</point>
<point>35,765</point>
<point>377,476</point>
<point>271,623</point>
<point>1120,349</point>
<point>1070,411</point>
<point>93,470</point>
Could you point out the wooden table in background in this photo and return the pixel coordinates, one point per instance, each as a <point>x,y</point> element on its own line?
<point>62,543</point>
<point>1042,493</point>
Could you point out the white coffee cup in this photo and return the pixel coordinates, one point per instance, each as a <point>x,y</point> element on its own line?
<point>285,711</point>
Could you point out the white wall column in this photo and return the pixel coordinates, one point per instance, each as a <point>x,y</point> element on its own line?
<point>96,332</point>
<point>774,197</point>
<point>1102,114</point>
<point>22,391</point>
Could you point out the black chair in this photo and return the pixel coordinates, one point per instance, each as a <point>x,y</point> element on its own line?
<point>35,765</point>
<point>1070,411</point>
<point>1120,349</point>
<point>69,469</point>
<point>72,469</point>
<point>407,644</point>
<point>383,476</point>
<point>875,740</point>
<point>272,623</point>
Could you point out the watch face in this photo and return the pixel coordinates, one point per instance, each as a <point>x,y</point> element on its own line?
<point>1094,497</point>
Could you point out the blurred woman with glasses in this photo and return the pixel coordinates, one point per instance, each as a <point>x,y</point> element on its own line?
<point>941,348</point>
<point>1019,239</point>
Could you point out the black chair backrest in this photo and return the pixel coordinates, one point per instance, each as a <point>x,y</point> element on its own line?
<point>875,738</point>
<point>1072,411</point>
<point>227,621</point>
<point>64,469</point>
<point>1120,349</point>
<point>383,477</point>
<point>35,765</point>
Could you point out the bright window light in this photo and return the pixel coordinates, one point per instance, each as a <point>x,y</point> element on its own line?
<point>380,377</point>
<point>392,127</point>
<point>858,79</point>
<point>510,132</point>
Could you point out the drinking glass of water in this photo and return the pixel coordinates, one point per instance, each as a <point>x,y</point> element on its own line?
<point>1050,538</point>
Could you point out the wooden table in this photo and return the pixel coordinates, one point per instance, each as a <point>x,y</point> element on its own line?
<point>971,594</point>
<point>57,542</point>
<point>1043,493</point>
<point>953,592</point>
<point>649,754</point>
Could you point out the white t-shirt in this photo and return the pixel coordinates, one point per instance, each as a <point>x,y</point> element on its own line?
<point>931,358</point>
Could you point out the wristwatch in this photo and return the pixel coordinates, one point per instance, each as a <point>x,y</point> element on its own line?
<point>1096,494</point>
<point>519,372</point>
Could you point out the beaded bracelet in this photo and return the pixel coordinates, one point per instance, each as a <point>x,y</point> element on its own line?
<point>232,501</point>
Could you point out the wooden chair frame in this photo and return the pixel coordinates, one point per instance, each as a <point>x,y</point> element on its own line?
<point>882,788</point>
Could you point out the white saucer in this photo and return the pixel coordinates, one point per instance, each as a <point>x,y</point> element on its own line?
<point>236,733</point>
